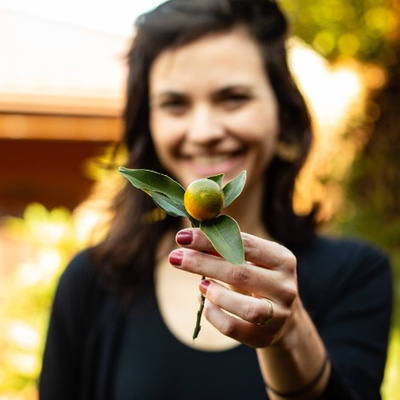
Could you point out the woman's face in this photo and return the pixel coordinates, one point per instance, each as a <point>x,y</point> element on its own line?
<point>212,108</point>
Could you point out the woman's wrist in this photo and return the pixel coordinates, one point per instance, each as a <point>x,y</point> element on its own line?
<point>290,335</point>
<point>296,365</point>
<point>306,389</point>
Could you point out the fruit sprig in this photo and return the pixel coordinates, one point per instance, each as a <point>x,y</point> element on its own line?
<point>202,203</point>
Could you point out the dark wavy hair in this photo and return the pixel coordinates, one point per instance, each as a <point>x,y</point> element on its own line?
<point>129,249</point>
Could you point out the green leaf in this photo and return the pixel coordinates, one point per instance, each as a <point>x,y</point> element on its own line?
<point>151,181</point>
<point>195,222</point>
<point>168,205</point>
<point>233,188</point>
<point>217,178</point>
<point>224,234</point>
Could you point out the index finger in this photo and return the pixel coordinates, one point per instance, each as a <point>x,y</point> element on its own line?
<point>257,250</point>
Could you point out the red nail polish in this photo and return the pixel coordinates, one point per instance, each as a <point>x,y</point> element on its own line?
<point>175,258</point>
<point>184,237</point>
<point>204,284</point>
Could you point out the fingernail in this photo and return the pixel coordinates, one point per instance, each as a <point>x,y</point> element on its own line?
<point>175,258</point>
<point>204,284</point>
<point>184,237</point>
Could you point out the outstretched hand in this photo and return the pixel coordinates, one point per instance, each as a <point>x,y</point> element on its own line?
<point>252,303</point>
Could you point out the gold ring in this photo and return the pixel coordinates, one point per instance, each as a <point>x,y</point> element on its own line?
<point>270,313</point>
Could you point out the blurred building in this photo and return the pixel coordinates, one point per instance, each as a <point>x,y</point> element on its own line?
<point>61,95</point>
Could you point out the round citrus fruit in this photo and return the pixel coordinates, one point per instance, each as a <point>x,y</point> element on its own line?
<point>204,199</point>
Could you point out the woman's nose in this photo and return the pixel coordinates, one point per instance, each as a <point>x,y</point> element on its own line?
<point>205,126</point>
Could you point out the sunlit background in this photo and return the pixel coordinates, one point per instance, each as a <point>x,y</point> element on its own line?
<point>61,94</point>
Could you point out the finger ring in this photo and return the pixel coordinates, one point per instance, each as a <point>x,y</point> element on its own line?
<point>270,313</point>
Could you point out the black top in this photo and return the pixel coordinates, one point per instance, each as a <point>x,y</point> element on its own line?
<point>153,364</point>
<point>95,350</point>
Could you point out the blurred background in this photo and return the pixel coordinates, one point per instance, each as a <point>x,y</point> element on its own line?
<point>62,78</point>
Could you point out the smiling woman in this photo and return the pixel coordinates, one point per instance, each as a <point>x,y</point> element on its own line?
<point>190,117</point>
<point>305,316</point>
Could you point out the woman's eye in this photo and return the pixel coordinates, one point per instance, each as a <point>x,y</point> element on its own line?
<point>174,106</point>
<point>235,100</point>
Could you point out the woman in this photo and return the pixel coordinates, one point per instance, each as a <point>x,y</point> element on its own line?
<point>306,317</point>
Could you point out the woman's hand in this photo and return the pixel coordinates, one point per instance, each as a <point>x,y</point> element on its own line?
<point>236,295</point>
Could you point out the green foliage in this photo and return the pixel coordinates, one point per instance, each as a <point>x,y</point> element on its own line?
<point>352,28</point>
<point>223,232</point>
<point>391,384</point>
<point>45,240</point>
<point>233,188</point>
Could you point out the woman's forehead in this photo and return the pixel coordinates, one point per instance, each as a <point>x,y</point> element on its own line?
<point>232,55</point>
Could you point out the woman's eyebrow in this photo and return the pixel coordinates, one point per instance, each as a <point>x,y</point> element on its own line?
<point>219,92</point>
<point>167,94</point>
<point>234,88</point>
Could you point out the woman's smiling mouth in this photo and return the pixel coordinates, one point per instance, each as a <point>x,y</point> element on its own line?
<point>211,160</point>
<point>212,164</point>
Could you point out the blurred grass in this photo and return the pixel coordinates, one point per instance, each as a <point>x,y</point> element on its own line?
<point>35,248</point>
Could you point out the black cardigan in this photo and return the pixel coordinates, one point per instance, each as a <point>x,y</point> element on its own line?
<point>345,286</point>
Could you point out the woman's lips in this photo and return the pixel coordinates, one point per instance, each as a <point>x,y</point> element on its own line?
<point>210,160</point>
<point>214,164</point>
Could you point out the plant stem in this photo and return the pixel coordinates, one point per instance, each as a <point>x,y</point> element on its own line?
<point>197,328</point>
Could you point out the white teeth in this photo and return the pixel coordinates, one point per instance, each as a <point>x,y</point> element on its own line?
<point>211,160</point>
